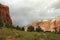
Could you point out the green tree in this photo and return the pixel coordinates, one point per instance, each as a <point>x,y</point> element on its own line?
<point>1,22</point>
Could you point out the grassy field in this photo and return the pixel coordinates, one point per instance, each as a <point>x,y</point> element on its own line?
<point>13,34</point>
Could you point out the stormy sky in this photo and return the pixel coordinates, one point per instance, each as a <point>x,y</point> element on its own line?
<point>24,12</point>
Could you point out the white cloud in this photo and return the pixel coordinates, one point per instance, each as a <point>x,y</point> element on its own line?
<point>24,12</point>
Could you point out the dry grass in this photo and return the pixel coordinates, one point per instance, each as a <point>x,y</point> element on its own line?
<point>13,34</point>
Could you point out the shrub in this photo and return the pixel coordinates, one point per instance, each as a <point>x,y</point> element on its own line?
<point>38,29</point>
<point>30,28</point>
<point>1,22</point>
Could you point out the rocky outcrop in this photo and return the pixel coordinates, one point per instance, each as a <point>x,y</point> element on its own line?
<point>45,25</point>
<point>58,24</point>
<point>4,14</point>
<point>37,24</point>
<point>48,25</point>
<point>53,25</point>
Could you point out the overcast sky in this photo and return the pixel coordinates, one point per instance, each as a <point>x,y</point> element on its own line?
<point>24,12</point>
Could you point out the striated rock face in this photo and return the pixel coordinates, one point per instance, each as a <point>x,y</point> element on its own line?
<point>53,25</point>
<point>45,25</point>
<point>48,25</point>
<point>37,24</point>
<point>4,14</point>
<point>58,24</point>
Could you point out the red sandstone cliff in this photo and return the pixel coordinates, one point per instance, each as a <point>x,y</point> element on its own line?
<point>4,14</point>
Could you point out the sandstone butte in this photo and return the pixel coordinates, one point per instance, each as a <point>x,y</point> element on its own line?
<point>4,14</point>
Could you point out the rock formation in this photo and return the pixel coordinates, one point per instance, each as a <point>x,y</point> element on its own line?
<point>45,25</point>
<point>48,25</point>
<point>58,24</point>
<point>37,24</point>
<point>53,25</point>
<point>4,14</point>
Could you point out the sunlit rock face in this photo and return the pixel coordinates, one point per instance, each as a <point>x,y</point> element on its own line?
<point>58,23</point>
<point>53,25</point>
<point>4,14</point>
<point>37,24</point>
<point>45,25</point>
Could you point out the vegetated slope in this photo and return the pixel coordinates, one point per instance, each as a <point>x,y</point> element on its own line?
<point>13,34</point>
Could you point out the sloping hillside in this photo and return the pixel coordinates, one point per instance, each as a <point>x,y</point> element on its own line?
<point>13,34</point>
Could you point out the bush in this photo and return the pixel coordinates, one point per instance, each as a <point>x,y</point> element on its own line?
<point>30,28</point>
<point>38,29</point>
<point>1,23</point>
<point>18,28</point>
<point>22,28</point>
